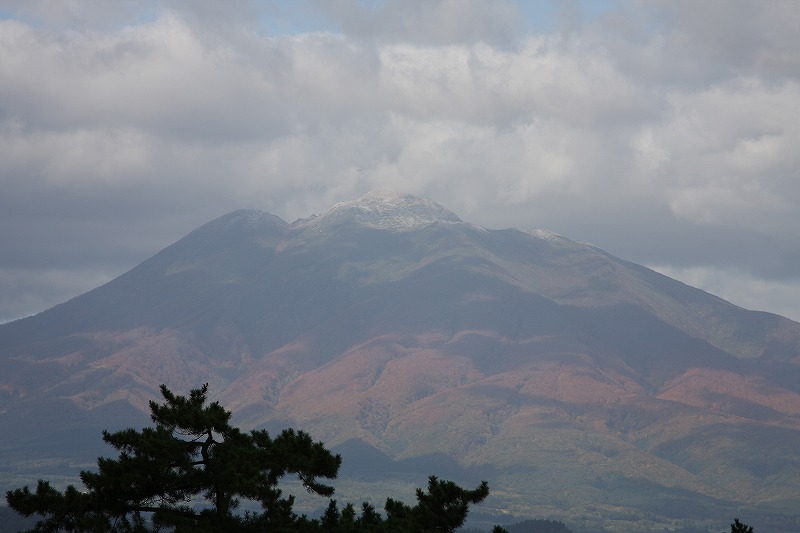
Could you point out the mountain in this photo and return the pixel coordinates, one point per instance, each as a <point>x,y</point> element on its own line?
<point>583,387</point>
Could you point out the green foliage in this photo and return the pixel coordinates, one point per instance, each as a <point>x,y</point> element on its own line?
<point>739,527</point>
<point>443,508</point>
<point>192,455</point>
<point>193,470</point>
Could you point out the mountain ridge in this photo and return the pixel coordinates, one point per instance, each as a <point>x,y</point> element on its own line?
<point>383,210</point>
<point>547,364</point>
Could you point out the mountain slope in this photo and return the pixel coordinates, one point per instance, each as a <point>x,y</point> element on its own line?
<point>579,384</point>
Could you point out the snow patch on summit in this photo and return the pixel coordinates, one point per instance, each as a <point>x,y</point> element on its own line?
<point>544,234</point>
<point>378,210</point>
<point>253,218</point>
<point>555,238</point>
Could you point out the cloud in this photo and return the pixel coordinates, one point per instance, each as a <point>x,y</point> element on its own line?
<point>648,129</point>
<point>441,22</point>
<point>732,153</point>
<point>741,38</point>
<point>690,45</point>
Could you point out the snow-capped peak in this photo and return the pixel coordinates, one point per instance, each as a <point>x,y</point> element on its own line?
<point>381,210</point>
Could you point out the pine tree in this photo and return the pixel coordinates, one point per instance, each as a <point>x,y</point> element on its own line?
<point>443,507</point>
<point>192,455</point>
<point>739,527</point>
<point>192,471</point>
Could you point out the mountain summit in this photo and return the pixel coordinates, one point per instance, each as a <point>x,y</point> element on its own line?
<point>380,210</point>
<point>581,386</point>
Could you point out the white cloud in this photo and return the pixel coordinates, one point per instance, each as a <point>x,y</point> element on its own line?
<point>727,154</point>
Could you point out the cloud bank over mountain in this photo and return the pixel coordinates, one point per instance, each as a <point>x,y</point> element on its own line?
<point>664,132</point>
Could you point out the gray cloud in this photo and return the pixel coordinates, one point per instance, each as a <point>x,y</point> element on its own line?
<point>662,132</point>
<point>442,22</point>
<point>740,38</point>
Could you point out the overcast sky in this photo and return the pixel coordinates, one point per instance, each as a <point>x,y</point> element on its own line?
<point>667,133</point>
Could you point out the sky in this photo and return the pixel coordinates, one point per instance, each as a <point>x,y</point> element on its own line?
<point>666,133</point>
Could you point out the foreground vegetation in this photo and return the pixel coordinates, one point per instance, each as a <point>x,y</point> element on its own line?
<point>193,472</point>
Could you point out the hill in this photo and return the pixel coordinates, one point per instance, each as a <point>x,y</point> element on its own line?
<point>578,384</point>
